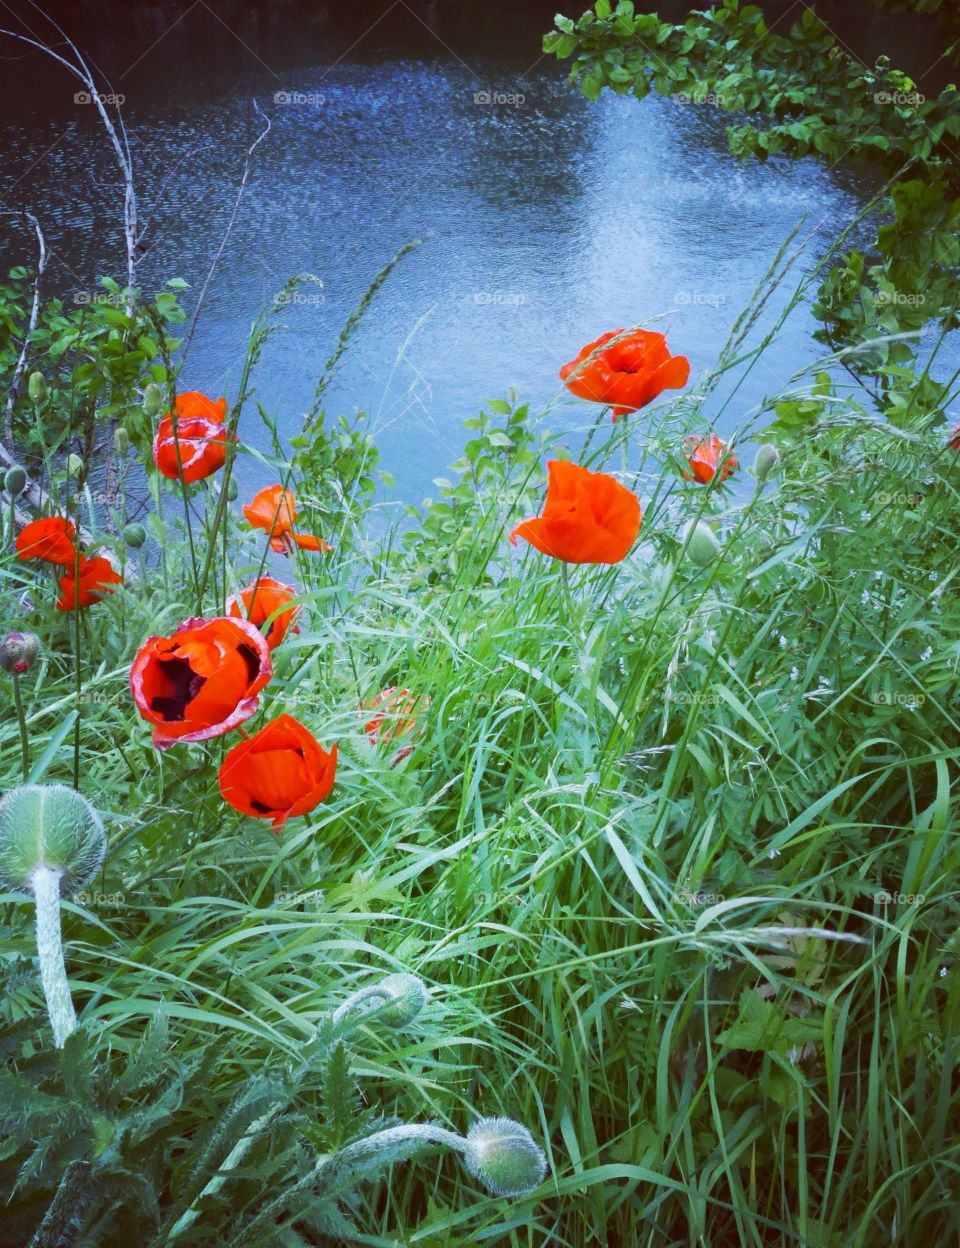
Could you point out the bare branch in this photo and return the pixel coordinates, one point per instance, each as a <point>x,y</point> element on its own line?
<point>14,392</point>
<point>233,216</point>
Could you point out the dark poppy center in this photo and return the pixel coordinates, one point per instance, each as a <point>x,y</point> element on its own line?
<point>251,658</point>
<point>183,686</point>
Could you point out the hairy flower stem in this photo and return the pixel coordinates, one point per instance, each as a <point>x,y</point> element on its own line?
<point>22,719</point>
<point>53,973</point>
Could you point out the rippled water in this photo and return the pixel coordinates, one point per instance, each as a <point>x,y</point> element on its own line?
<point>547,219</point>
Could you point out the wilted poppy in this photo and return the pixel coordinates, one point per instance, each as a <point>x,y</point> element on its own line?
<point>280,772</point>
<point>96,577</point>
<point>704,455</point>
<point>51,539</point>
<point>200,435</point>
<point>274,511</point>
<point>588,517</point>
<point>201,681</point>
<point>629,373</point>
<point>258,602</point>
<point>394,714</point>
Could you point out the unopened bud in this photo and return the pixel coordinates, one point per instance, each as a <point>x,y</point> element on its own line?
<point>408,995</point>
<point>15,481</point>
<point>49,825</point>
<point>121,441</point>
<point>76,468</point>
<point>152,400</point>
<point>37,387</point>
<point>18,651</point>
<point>766,463</point>
<point>232,490</point>
<point>702,544</point>
<point>504,1156</point>
<point>134,535</point>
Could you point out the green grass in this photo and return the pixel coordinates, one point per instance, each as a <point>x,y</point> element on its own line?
<point>635,855</point>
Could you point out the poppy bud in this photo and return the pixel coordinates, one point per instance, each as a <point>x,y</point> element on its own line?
<point>152,400</point>
<point>76,468</point>
<point>18,652</point>
<point>232,490</point>
<point>51,843</point>
<point>701,542</point>
<point>134,535</point>
<point>37,387</point>
<point>15,481</point>
<point>504,1156</point>
<point>121,441</point>
<point>766,463</point>
<point>407,995</point>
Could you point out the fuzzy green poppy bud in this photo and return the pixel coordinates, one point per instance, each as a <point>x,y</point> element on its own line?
<point>18,652</point>
<point>504,1156</point>
<point>15,481</point>
<point>766,463</point>
<point>152,400</point>
<point>701,542</point>
<point>51,843</point>
<point>76,468</point>
<point>134,535</point>
<point>121,441</point>
<point>232,490</point>
<point>52,826</point>
<point>37,387</point>
<point>407,996</point>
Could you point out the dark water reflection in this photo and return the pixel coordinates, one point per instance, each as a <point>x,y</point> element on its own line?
<point>547,219</point>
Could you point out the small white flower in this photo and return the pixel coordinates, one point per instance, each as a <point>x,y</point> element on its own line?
<point>783,642</point>
<point>878,575</point>
<point>926,654</point>
<point>794,673</point>
<point>943,972</point>
<point>933,576</point>
<point>865,517</point>
<point>773,853</point>
<point>865,597</point>
<point>823,682</point>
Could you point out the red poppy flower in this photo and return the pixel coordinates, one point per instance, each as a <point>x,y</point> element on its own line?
<point>704,455</point>
<point>280,772</point>
<point>588,517</point>
<point>274,511</point>
<point>201,681</point>
<point>51,539</point>
<point>96,578</point>
<point>628,374</point>
<point>954,443</point>
<point>258,602</point>
<point>200,434</point>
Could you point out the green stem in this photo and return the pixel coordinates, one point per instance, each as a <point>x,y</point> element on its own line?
<point>53,973</point>
<point>24,737</point>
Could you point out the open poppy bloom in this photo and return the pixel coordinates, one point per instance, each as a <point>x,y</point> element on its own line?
<point>628,374</point>
<point>51,539</point>
<point>588,517</point>
<point>201,681</point>
<point>200,435</point>
<point>96,577</point>
<point>258,602</point>
<point>274,511</point>
<point>705,455</point>
<point>280,772</point>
